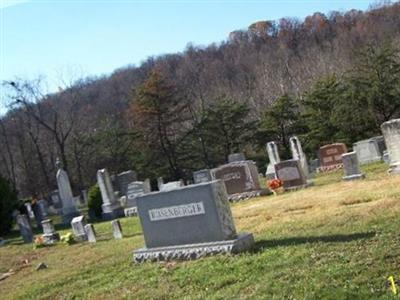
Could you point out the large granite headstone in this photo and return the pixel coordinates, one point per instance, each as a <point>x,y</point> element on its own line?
<point>202,176</point>
<point>298,154</point>
<point>331,156</point>
<point>69,210</point>
<point>273,156</point>
<point>187,223</point>
<point>78,228</point>
<point>240,179</point>
<point>291,173</point>
<point>391,133</point>
<point>369,150</point>
<point>25,228</point>
<point>351,166</point>
<point>111,207</point>
<point>124,179</point>
<point>50,236</point>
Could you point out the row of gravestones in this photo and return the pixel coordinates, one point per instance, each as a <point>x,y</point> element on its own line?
<point>81,230</point>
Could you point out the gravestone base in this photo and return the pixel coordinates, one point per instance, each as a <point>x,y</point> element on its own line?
<point>52,238</point>
<point>353,177</point>
<point>394,169</point>
<point>111,212</point>
<point>243,242</point>
<point>248,195</point>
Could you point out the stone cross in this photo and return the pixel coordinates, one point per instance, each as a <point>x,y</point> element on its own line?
<point>273,155</point>
<point>391,133</point>
<point>116,229</point>
<point>297,153</point>
<point>90,233</point>
<point>351,166</point>
<point>69,210</point>
<point>111,207</point>
<point>25,228</point>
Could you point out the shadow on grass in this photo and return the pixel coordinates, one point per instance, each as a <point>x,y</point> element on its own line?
<point>336,238</point>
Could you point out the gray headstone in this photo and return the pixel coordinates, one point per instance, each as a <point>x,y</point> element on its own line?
<point>55,199</point>
<point>160,182</point>
<point>134,190</point>
<point>391,133</point>
<point>181,222</point>
<point>90,233</point>
<point>236,157</point>
<point>297,153</point>
<point>124,179</point>
<point>351,166</point>
<point>38,213</point>
<point>25,228</point>
<point>385,157</point>
<point>239,178</point>
<point>202,176</point>
<point>111,207</point>
<point>369,150</point>
<point>78,228</point>
<point>30,211</point>
<point>50,236</point>
<point>116,229</point>
<point>291,173</point>
<point>43,208</point>
<point>273,156</point>
<point>69,210</point>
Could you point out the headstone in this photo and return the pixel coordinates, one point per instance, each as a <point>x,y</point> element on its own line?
<point>111,207</point>
<point>240,179</point>
<point>124,179</point>
<point>30,211</point>
<point>25,228</point>
<point>78,228</point>
<point>134,190</point>
<point>50,236</point>
<point>90,233</point>
<point>291,173</point>
<point>160,182</point>
<point>43,208</point>
<point>55,199</point>
<point>69,210</point>
<point>314,165</point>
<point>116,229</point>
<point>391,133</point>
<point>172,185</point>
<point>369,150</point>
<point>37,212</point>
<point>202,176</point>
<point>331,156</point>
<point>130,211</point>
<point>188,223</point>
<point>273,156</point>
<point>385,157</point>
<point>236,157</point>
<point>351,166</point>
<point>297,153</point>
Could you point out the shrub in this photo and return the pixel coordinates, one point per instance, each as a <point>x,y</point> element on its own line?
<point>95,201</point>
<point>8,202</point>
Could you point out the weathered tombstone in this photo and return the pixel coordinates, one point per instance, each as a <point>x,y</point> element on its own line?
<point>30,211</point>
<point>160,182</point>
<point>297,153</point>
<point>240,179</point>
<point>351,166</point>
<point>385,157</point>
<point>369,150</point>
<point>37,212</point>
<point>50,236</point>
<point>202,176</point>
<point>78,228</point>
<point>25,228</point>
<point>236,157</point>
<point>291,173</point>
<point>331,156</point>
<point>124,179</point>
<point>69,210</point>
<point>134,190</point>
<point>171,185</point>
<point>116,229</point>
<point>111,207</point>
<point>188,223</point>
<point>391,133</point>
<point>90,233</point>
<point>273,156</point>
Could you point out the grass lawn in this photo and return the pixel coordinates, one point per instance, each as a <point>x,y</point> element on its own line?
<point>335,240</point>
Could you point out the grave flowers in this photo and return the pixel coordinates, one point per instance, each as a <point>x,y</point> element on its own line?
<point>38,242</point>
<point>275,186</point>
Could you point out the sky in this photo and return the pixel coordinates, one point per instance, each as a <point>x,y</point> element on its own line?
<point>68,39</point>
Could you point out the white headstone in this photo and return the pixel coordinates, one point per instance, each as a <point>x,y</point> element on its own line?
<point>297,153</point>
<point>111,207</point>
<point>67,199</point>
<point>273,155</point>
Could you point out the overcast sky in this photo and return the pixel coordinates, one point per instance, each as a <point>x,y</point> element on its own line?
<point>77,37</point>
